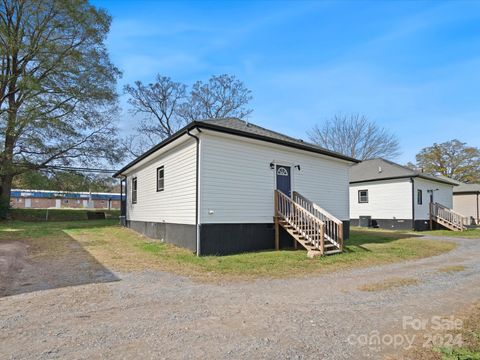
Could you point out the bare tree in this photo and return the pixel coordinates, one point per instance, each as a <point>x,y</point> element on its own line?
<point>355,136</point>
<point>160,103</point>
<point>167,106</point>
<point>222,96</point>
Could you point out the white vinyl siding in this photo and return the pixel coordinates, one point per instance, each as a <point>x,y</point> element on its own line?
<point>443,194</point>
<point>467,205</point>
<point>237,182</point>
<point>387,199</point>
<point>176,203</point>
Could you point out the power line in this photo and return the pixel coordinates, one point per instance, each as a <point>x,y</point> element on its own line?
<point>82,169</point>
<point>73,168</point>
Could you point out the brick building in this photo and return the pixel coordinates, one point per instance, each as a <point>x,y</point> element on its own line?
<point>42,199</point>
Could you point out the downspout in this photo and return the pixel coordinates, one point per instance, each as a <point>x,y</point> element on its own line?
<point>197,182</point>
<point>478,209</point>
<point>123,199</point>
<point>413,202</point>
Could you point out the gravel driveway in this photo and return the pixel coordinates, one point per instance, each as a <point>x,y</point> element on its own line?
<point>161,315</point>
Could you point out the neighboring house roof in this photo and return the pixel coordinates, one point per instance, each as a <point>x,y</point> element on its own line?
<point>467,188</point>
<point>63,194</point>
<point>381,169</point>
<point>241,128</point>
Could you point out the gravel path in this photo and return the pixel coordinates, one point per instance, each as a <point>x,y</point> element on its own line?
<point>161,315</point>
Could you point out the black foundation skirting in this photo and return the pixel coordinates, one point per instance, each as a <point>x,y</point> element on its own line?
<point>423,225</point>
<point>182,235</point>
<point>346,229</point>
<point>226,239</point>
<point>219,239</point>
<point>399,224</point>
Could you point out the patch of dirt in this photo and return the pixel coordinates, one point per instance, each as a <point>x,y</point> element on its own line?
<point>452,268</point>
<point>27,266</point>
<point>465,338</point>
<point>388,284</point>
<point>12,262</point>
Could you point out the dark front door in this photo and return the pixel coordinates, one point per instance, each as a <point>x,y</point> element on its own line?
<point>284,183</point>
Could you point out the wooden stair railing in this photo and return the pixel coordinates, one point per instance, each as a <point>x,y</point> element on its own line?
<point>306,228</point>
<point>447,217</point>
<point>333,226</point>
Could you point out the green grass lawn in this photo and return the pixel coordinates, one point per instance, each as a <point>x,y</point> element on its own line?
<point>122,249</point>
<point>469,234</point>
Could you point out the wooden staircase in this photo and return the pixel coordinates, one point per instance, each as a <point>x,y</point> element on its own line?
<point>446,217</point>
<point>311,226</point>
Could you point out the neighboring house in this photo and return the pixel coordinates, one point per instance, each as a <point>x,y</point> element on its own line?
<point>210,188</point>
<point>391,196</point>
<point>466,201</point>
<point>43,199</point>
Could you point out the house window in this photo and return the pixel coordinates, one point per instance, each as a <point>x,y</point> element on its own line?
<point>363,196</point>
<point>134,190</point>
<point>419,197</point>
<point>160,178</point>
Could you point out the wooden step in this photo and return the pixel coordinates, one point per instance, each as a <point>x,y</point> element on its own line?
<point>306,236</point>
<point>449,225</point>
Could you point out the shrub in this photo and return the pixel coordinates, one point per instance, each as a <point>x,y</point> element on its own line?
<point>57,214</point>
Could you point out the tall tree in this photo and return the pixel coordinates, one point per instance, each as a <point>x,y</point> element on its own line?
<point>167,105</point>
<point>356,136</point>
<point>57,87</point>
<point>453,159</point>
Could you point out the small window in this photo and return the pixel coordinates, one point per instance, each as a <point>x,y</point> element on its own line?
<point>160,178</point>
<point>419,197</point>
<point>282,171</point>
<point>363,196</point>
<point>134,190</point>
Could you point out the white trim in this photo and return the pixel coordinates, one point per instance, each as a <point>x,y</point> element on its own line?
<point>199,192</point>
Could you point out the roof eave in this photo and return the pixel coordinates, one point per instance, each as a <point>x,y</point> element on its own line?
<point>203,125</point>
<point>157,147</point>
<point>275,141</point>
<point>403,177</point>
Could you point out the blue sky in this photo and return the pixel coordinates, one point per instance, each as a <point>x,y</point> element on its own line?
<point>413,67</point>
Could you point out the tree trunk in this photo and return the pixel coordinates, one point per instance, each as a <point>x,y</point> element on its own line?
<point>5,188</point>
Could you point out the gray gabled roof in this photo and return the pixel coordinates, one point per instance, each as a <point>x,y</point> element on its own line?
<point>381,169</point>
<point>242,125</point>
<point>467,188</point>
<point>245,129</point>
<point>248,127</point>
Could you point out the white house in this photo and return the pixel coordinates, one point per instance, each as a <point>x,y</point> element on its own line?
<point>391,196</point>
<point>210,187</point>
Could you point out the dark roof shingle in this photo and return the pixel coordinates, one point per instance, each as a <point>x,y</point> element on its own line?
<point>248,127</point>
<point>381,169</point>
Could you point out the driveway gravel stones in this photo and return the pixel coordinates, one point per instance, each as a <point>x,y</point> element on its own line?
<point>153,314</point>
